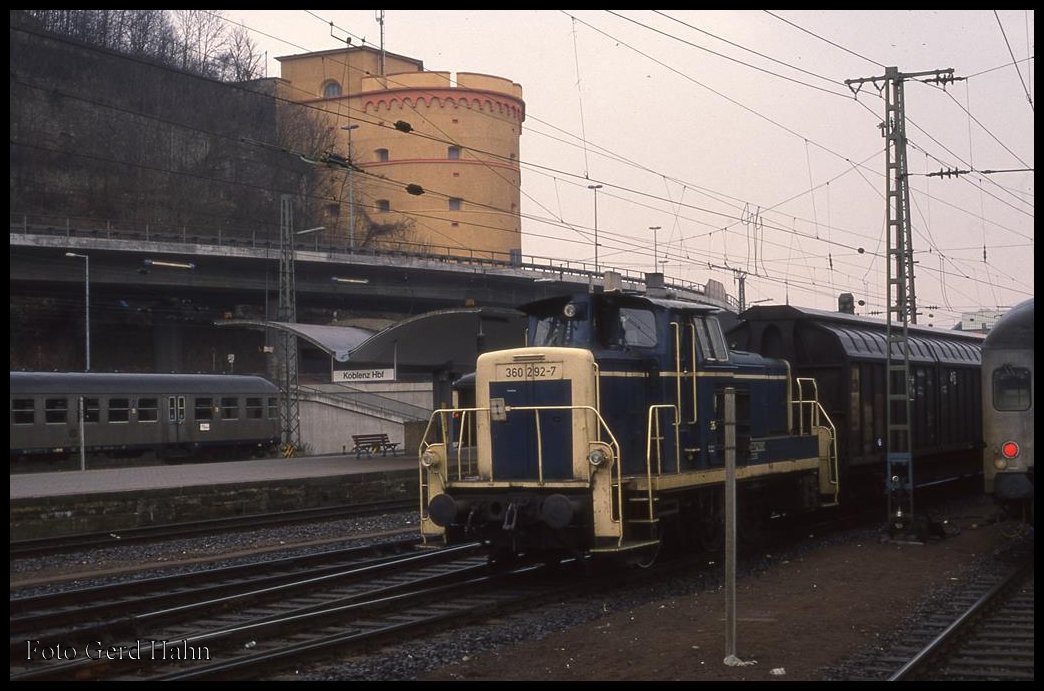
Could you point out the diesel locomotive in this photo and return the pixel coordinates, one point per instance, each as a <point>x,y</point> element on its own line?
<point>606,433</point>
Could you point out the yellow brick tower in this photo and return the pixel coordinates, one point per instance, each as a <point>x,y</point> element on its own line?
<point>408,130</point>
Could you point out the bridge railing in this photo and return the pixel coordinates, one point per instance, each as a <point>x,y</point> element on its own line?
<point>554,268</point>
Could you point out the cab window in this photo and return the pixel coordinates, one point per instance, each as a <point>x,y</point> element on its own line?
<point>1011,388</point>
<point>639,327</point>
<point>710,339</point>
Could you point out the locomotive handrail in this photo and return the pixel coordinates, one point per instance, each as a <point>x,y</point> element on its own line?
<point>692,337</point>
<point>655,418</point>
<point>602,424</point>
<point>442,412</point>
<point>816,410</point>
<point>678,371</point>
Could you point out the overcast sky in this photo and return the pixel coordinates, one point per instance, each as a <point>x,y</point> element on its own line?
<point>735,133</point>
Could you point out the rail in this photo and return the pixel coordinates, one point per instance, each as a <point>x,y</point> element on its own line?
<point>91,228</point>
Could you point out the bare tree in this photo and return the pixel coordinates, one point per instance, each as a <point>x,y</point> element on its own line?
<point>241,61</point>
<point>198,41</point>
<point>202,37</point>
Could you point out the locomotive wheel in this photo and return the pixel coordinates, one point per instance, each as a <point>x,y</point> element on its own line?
<point>647,557</point>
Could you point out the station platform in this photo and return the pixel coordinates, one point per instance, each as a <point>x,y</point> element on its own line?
<point>74,502</point>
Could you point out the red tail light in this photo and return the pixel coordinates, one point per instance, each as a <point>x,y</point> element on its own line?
<point>1010,449</point>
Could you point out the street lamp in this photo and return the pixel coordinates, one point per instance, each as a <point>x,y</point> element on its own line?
<point>655,250</point>
<point>311,230</point>
<point>595,188</point>
<point>351,188</point>
<point>87,301</point>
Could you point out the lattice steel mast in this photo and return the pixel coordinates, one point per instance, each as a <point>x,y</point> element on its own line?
<point>902,297</point>
<point>289,409</point>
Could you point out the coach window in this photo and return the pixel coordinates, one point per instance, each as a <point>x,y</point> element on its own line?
<point>148,410</point>
<point>23,411</point>
<point>1011,388</point>
<point>229,408</point>
<point>91,410</point>
<point>56,410</point>
<point>203,410</point>
<point>273,408</point>
<point>255,408</point>
<point>119,410</point>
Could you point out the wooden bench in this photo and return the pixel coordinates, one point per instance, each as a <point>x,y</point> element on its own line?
<point>371,443</point>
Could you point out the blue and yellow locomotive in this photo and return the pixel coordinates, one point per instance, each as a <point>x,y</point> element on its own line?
<point>605,434</point>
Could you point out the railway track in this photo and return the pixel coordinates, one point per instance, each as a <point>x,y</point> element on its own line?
<point>991,641</point>
<point>981,631</point>
<point>92,610</point>
<point>23,549</point>
<point>247,620</point>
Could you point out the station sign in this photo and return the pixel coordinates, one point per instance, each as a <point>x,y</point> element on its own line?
<point>341,376</point>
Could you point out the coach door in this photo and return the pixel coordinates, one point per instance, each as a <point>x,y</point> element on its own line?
<point>175,419</point>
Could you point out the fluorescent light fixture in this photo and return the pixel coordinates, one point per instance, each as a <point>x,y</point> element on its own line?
<point>172,265</point>
<point>337,279</point>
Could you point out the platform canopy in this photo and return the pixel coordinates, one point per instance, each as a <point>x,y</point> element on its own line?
<point>443,340</point>
<point>338,341</point>
<point>449,339</point>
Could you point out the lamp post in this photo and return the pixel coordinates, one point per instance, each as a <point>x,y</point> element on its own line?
<point>351,188</point>
<point>595,188</point>
<point>308,231</point>
<point>655,249</point>
<point>87,302</point>
<point>87,330</point>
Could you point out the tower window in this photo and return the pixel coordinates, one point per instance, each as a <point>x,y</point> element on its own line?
<point>382,155</point>
<point>383,205</point>
<point>454,204</point>
<point>453,153</point>
<point>331,89</point>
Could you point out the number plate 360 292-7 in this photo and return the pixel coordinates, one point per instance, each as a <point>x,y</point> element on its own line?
<point>529,370</point>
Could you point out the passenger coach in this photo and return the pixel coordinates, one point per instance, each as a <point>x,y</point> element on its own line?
<point>846,355</point>
<point>128,415</point>
<point>1007,382</point>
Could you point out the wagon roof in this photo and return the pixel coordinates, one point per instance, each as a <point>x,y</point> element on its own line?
<point>133,383</point>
